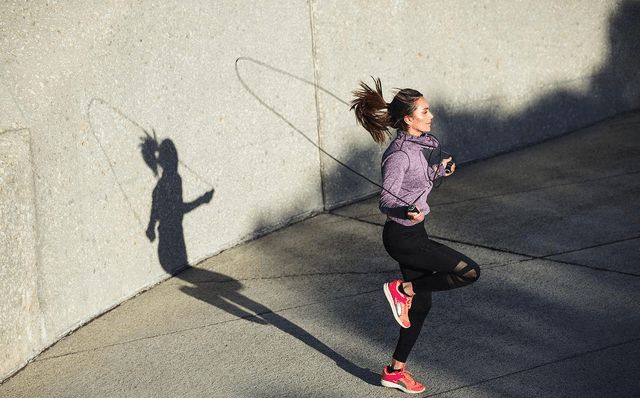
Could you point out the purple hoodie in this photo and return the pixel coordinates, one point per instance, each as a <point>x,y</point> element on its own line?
<point>406,174</point>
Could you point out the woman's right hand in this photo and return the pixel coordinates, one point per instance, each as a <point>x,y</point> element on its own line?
<point>447,160</point>
<point>416,217</point>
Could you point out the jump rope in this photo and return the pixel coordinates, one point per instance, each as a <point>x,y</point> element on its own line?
<point>435,153</point>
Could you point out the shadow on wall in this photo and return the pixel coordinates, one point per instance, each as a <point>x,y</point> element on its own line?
<point>168,208</point>
<point>612,89</point>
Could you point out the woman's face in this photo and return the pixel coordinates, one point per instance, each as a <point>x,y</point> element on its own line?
<point>419,122</point>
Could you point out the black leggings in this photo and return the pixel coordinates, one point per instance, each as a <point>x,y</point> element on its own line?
<point>430,266</point>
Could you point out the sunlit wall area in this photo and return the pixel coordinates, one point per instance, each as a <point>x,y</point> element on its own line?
<point>118,100</point>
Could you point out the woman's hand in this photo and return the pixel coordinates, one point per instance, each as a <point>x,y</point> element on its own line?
<point>452,168</point>
<point>206,197</point>
<point>151,232</point>
<point>416,217</point>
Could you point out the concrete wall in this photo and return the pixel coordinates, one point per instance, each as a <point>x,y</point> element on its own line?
<point>232,92</point>
<point>499,74</point>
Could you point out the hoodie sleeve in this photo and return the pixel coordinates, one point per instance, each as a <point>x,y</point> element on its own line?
<point>394,168</point>
<point>438,172</point>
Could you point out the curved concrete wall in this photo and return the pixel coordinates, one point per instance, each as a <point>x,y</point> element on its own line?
<point>100,103</point>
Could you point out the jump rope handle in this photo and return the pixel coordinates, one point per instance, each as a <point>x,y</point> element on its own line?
<point>447,169</point>
<point>412,209</point>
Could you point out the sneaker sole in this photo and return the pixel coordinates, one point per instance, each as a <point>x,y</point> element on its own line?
<point>400,387</point>
<point>387,294</point>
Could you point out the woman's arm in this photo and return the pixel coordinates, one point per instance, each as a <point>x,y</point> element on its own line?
<point>205,198</point>
<point>153,217</point>
<point>439,170</point>
<point>394,167</point>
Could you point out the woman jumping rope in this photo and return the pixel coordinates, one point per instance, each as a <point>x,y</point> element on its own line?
<point>407,179</point>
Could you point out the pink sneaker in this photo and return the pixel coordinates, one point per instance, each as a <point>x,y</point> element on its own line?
<point>399,303</point>
<point>402,380</point>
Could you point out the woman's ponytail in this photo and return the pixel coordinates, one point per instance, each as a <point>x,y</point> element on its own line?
<point>376,116</point>
<point>372,111</point>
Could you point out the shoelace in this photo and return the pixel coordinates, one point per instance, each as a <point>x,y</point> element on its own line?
<point>407,305</point>
<point>407,376</point>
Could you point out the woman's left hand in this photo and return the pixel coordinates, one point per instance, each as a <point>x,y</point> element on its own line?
<point>444,164</point>
<point>452,169</point>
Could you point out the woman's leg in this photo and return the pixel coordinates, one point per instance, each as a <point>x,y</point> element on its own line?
<point>426,266</point>
<point>444,267</point>
<point>417,314</point>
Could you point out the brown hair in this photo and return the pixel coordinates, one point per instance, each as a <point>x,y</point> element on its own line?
<point>377,116</point>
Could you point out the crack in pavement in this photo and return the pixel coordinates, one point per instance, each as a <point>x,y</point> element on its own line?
<point>593,267</point>
<point>545,257</point>
<point>573,356</point>
<point>286,276</point>
<point>594,246</point>
<point>541,188</point>
<point>491,265</point>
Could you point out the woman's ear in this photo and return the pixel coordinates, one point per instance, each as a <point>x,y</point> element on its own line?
<point>407,120</point>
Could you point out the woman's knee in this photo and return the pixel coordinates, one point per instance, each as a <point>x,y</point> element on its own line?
<point>468,270</point>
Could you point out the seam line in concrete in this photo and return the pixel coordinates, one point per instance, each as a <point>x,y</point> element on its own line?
<point>591,267</point>
<point>488,266</point>
<point>532,257</point>
<point>447,239</point>
<point>259,315</point>
<point>594,246</point>
<point>536,189</point>
<point>16,130</point>
<point>493,266</point>
<point>264,278</point>
<point>523,191</point>
<point>529,256</point>
<point>316,98</point>
<point>569,357</point>
<point>43,332</point>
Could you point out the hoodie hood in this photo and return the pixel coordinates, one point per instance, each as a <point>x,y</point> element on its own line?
<point>425,141</point>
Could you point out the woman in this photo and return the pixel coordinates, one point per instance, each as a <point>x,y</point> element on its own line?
<point>407,179</point>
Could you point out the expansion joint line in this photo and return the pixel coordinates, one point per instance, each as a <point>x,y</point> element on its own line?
<point>314,60</point>
<point>546,257</point>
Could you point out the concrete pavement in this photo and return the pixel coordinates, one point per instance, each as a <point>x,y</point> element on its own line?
<point>300,312</point>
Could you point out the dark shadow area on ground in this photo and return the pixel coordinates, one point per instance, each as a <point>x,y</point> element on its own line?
<point>227,297</point>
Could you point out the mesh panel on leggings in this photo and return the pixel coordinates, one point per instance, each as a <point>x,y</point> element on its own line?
<point>462,275</point>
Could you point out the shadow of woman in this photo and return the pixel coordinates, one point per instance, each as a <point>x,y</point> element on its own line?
<point>168,210</point>
<point>227,297</point>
